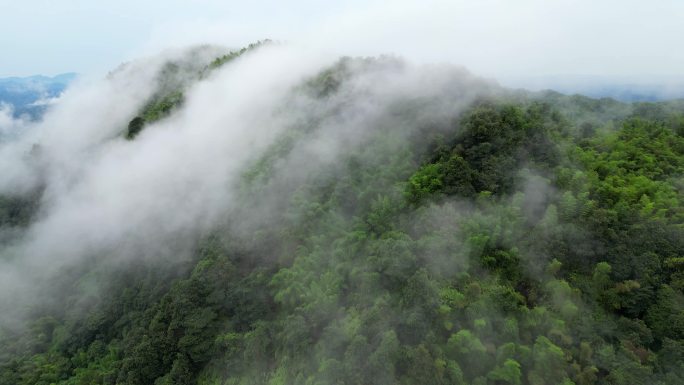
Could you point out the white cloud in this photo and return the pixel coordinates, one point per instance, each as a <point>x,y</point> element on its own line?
<point>105,196</point>
<point>109,198</point>
<point>11,127</point>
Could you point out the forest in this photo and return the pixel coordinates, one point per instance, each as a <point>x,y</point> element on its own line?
<point>454,236</point>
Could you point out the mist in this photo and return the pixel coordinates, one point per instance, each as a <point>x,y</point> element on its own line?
<point>107,196</point>
<point>315,213</point>
<point>10,126</point>
<point>102,196</point>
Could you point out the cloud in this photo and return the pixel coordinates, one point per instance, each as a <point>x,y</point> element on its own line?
<point>106,198</point>
<point>9,125</point>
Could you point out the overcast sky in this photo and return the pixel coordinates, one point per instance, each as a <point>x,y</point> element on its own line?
<point>498,38</point>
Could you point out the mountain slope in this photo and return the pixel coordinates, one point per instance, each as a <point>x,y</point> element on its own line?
<point>394,225</point>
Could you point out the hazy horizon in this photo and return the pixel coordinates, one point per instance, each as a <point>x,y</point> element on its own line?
<point>491,38</point>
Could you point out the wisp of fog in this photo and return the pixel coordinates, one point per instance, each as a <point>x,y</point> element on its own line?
<point>102,196</point>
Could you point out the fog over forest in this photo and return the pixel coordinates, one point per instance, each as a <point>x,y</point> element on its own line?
<point>340,210</point>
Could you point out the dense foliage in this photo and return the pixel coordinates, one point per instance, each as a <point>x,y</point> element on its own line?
<point>533,239</point>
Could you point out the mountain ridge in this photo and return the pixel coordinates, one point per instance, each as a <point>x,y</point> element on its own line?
<point>358,221</point>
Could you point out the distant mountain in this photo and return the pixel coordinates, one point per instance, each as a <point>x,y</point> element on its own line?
<point>625,89</point>
<point>29,96</point>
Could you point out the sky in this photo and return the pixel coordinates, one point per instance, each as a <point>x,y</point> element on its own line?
<point>625,39</point>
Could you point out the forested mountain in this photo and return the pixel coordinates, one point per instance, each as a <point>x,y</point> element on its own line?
<point>365,221</point>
